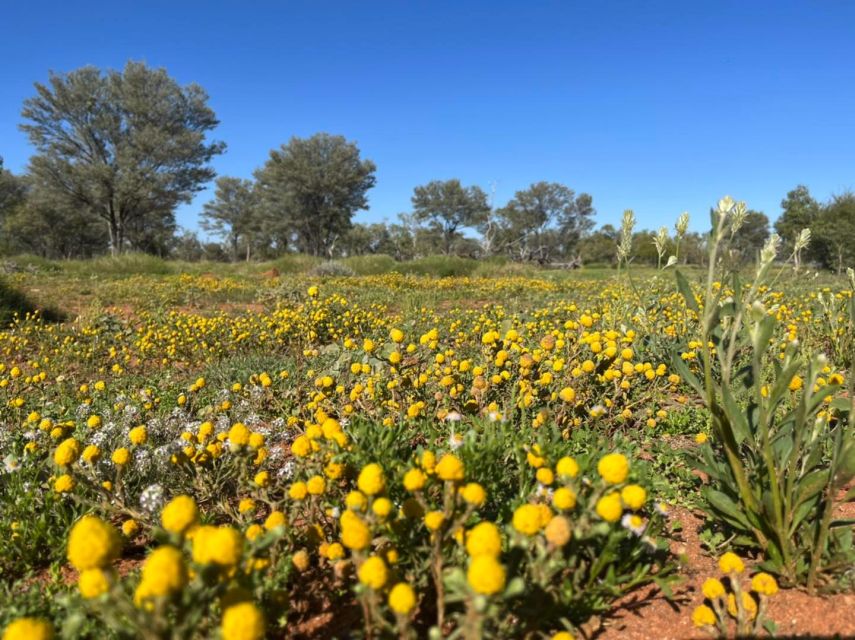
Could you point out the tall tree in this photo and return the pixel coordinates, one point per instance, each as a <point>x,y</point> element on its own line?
<point>233,214</point>
<point>310,189</point>
<point>834,233</point>
<point>546,219</point>
<point>125,146</point>
<point>449,207</point>
<point>12,191</point>
<point>798,211</point>
<point>752,235</point>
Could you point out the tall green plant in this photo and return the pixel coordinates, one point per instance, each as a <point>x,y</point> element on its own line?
<point>783,448</point>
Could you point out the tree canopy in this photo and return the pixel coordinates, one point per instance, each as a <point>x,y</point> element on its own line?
<point>310,189</point>
<point>125,146</point>
<point>449,207</point>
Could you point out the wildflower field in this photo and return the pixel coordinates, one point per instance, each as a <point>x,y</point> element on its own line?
<point>243,453</point>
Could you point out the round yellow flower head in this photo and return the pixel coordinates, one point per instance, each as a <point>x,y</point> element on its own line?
<point>484,539</point>
<point>486,575</point>
<point>703,616</point>
<point>613,468</point>
<point>402,598</point>
<point>64,483</point>
<point>246,505</point>
<point>334,551</point>
<point>217,545</point>
<point>764,584</point>
<point>450,468</point>
<point>373,573</point>
<point>130,528</point>
<point>243,621</point>
<point>633,496</point>
<point>545,476</point>
<point>275,519</point>
<point>474,494</point>
<point>356,501</point>
<point>164,572</point>
<point>92,544</point>
<point>562,635</point>
<point>121,456</point>
<point>713,588</point>
<point>731,563</point>
<point>298,491</point>
<point>179,515</point>
<point>239,435</point>
<point>312,291</point>
<point>138,435</point>
<point>93,583</point>
<point>300,560</point>
<point>528,519</point>
<point>414,480</point>
<point>28,629</point>
<point>564,499</point>
<point>567,467</point>
<point>434,520</point>
<point>93,422</point>
<point>67,452</point>
<point>609,507</point>
<point>355,534</point>
<point>371,480</point>
<point>316,485</point>
<point>382,507</point>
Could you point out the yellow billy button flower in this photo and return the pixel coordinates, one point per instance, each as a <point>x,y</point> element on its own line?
<point>371,480</point>
<point>567,394</point>
<point>609,507</point>
<point>633,496</point>
<point>613,468</point>
<point>164,572</point>
<point>474,494</point>
<point>486,575</point>
<point>564,499</point>
<point>562,635</point>
<point>373,573</point>
<point>712,588</point>
<point>275,519</point>
<point>120,457</point>
<point>382,507</point>
<point>414,479</point>
<point>93,583</point>
<point>567,467</point>
<point>450,468</point>
<point>92,544</point>
<point>239,435</point>
<point>316,485</point>
<point>355,534</point>
<point>138,435</point>
<point>312,291</point>
<point>179,515</point>
<point>217,545</point>
<point>243,621</point>
<point>703,616</point>
<point>402,599</point>
<point>93,422</point>
<point>484,539</point>
<point>130,528</point>
<point>731,563</point>
<point>528,519</point>
<point>434,520</point>
<point>28,629</point>
<point>246,505</point>
<point>262,479</point>
<point>298,491</point>
<point>764,584</point>
<point>64,483</point>
<point>67,452</point>
<point>545,476</point>
<point>701,438</point>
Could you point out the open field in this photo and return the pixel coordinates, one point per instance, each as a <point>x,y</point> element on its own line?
<point>503,452</point>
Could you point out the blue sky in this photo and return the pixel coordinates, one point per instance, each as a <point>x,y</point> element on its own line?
<point>657,106</point>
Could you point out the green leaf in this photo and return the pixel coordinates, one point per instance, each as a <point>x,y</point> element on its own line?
<point>686,290</point>
<point>727,508</point>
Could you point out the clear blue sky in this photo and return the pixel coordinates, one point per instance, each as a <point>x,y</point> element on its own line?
<point>656,106</point>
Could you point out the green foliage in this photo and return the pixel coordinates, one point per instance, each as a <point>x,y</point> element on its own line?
<point>309,190</point>
<point>449,207</point>
<point>783,445</point>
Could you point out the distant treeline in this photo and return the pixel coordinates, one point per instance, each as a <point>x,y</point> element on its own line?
<point>117,151</point>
